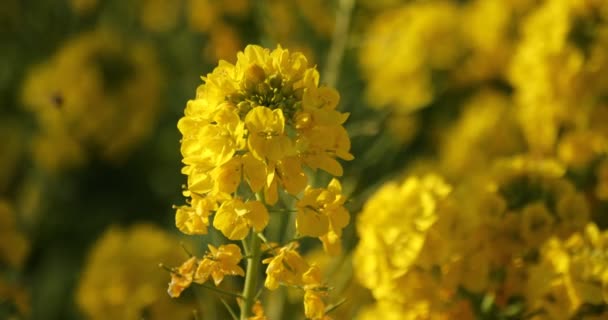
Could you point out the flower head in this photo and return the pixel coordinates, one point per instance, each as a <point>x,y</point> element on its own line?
<point>260,121</point>
<point>321,213</point>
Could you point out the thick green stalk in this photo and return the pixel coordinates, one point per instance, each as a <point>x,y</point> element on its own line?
<point>251,277</point>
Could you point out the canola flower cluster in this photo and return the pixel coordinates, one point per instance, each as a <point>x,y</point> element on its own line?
<point>121,280</point>
<point>248,136</point>
<point>97,95</point>
<point>506,219</point>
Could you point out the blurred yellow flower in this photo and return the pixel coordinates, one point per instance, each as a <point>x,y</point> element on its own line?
<point>571,274</point>
<point>392,229</point>
<point>121,278</point>
<point>404,47</point>
<point>97,96</point>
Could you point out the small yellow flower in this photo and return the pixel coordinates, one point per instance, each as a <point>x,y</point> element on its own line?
<point>235,217</point>
<point>267,140</point>
<point>285,267</point>
<point>194,219</point>
<point>321,213</point>
<point>220,262</point>
<point>314,307</point>
<point>258,312</point>
<point>320,146</point>
<point>182,277</point>
<point>97,96</point>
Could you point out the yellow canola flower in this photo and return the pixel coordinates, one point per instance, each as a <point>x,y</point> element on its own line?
<point>267,138</point>
<point>572,274</point>
<point>181,278</point>
<point>286,267</point>
<point>234,218</point>
<point>194,219</point>
<point>258,312</point>
<point>321,214</point>
<point>555,72</point>
<point>98,95</point>
<point>393,229</point>
<point>402,49</point>
<point>216,264</point>
<point>314,306</point>
<point>220,262</point>
<point>121,278</point>
<point>260,121</point>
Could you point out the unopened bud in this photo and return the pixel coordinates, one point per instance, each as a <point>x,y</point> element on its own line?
<point>255,74</point>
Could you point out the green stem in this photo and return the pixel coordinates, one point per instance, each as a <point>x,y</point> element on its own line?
<point>251,278</point>
<point>338,44</point>
<point>222,291</point>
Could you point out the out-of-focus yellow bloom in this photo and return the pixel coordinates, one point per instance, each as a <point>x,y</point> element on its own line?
<point>554,71</point>
<point>121,278</point>
<point>578,148</point>
<point>160,15</point>
<point>321,213</point>
<point>83,7</point>
<point>392,230</point>
<point>224,43</point>
<point>571,274</point>
<point>314,307</point>
<point>537,224</point>
<point>299,20</point>
<point>234,218</point>
<point>404,47</point>
<point>486,129</point>
<point>418,311</point>
<point>258,312</point>
<point>286,266</point>
<point>96,93</point>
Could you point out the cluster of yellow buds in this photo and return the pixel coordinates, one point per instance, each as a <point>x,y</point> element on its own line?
<point>248,136</point>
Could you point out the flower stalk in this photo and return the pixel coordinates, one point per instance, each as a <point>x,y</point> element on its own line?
<point>251,276</point>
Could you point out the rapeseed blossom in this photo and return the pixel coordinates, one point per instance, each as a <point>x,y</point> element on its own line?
<point>252,135</point>
<point>121,279</point>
